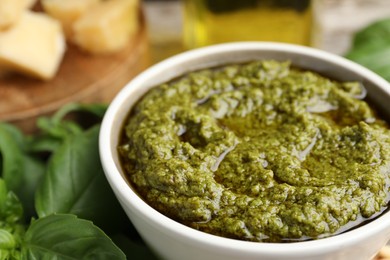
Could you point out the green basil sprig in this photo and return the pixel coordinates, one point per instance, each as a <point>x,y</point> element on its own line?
<point>55,202</point>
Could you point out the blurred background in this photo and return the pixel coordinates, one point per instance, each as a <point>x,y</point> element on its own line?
<point>325,24</point>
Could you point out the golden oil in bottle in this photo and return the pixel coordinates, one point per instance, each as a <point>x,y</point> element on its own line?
<point>216,21</point>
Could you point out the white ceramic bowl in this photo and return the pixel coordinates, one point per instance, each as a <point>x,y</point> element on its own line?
<point>172,240</point>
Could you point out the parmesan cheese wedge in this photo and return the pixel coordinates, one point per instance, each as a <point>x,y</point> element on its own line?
<point>10,12</point>
<point>34,45</point>
<point>107,27</point>
<point>67,11</point>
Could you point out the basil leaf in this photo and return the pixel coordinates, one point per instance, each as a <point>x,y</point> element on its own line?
<point>56,126</point>
<point>372,35</point>
<point>44,144</point>
<point>9,248</point>
<point>69,120</point>
<point>12,157</point>
<point>14,132</point>
<point>67,237</point>
<point>7,244</point>
<point>11,210</point>
<point>95,109</point>
<point>371,48</point>
<point>21,172</point>
<point>60,129</point>
<point>75,183</point>
<point>11,227</point>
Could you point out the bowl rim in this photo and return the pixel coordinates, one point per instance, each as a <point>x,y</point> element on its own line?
<point>126,195</point>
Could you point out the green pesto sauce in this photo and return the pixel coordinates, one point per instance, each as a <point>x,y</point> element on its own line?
<point>259,151</point>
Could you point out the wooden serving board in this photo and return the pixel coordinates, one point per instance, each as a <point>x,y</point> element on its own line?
<point>81,78</point>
